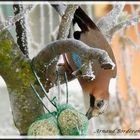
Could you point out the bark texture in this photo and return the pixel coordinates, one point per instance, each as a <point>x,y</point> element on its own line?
<point>16,71</point>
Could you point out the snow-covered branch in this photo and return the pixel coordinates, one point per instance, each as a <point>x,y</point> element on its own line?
<point>124,24</point>
<point>66,21</point>
<point>67,13</point>
<point>13,20</point>
<point>109,21</point>
<point>71,45</point>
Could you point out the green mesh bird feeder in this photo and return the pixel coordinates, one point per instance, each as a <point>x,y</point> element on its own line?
<point>71,121</point>
<point>65,121</point>
<point>44,125</point>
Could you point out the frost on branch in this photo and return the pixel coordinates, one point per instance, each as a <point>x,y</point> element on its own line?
<point>124,24</point>
<point>66,21</point>
<point>109,21</point>
<point>13,20</point>
<point>67,13</point>
<point>21,30</point>
<point>70,45</point>
<point>85,71</point>
<point>116,20</point>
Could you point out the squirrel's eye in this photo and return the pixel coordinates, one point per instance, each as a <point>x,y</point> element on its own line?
<point>100,103</point>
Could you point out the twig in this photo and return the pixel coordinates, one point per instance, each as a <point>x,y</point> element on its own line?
<point>136,13</point>
<point>16,18</point>
<point>21,30</point>
<point>109,21</point>
<point>122,25</point>
<point>129,41</point>
<point>85,71</point>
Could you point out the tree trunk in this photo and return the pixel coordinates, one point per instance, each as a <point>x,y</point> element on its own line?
<point>16,71</point>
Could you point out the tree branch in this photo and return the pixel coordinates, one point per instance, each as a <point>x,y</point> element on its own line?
<point>70,45</point>
<point>109,21</point>
<point>122,25</point>
<point>50,70</point>
<point>66,21</point>
<point>16,18</point>
<point>21,30</point>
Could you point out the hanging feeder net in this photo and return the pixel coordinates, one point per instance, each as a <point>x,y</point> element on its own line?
<point>66,120</point>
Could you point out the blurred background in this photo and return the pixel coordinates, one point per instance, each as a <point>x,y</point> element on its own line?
<point>124,107</point>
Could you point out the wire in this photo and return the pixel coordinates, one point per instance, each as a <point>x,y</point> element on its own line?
<point>67,93</point>
<point>58,85</point>
<point>36,93</point>
<point>42,87</point>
